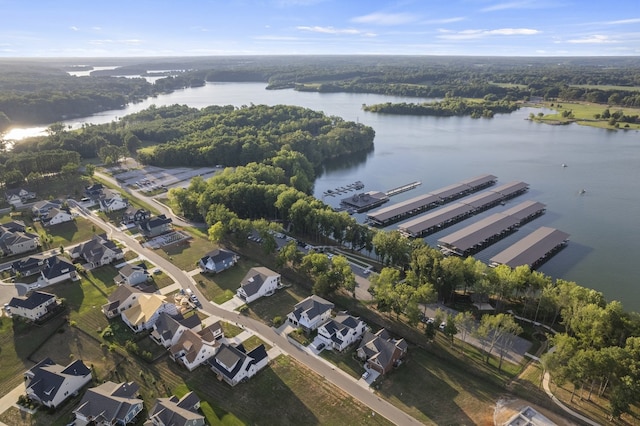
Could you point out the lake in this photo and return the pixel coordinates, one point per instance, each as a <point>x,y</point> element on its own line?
<point>602,222</point>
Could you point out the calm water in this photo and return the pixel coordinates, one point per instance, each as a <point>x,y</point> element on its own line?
<point>605,241</point>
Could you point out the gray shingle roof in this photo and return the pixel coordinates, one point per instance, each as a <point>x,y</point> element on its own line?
<point>32,301</point>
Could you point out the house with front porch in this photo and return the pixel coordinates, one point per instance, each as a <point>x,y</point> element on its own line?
<point>135,215</point>
<point>233,365</point>
<point>258,282</point>
<point>310,313</point>
<point>97,252</point>
<point>17,197</point>
<point>111,201</point>
<point>56,216</point>
<point>132,274</point>
<point>41,208</point>
<point>341,331</point>
<point>109,404</point>
<point>191,350</point>
<point>29,265</point>
<point>143,314</point>
<point>155,226</point>
<point>123,298</point>
<point>218,260</point>
<point>57,269</point>
<point>51,384</point>
<point>14,240</point>
<point>380,351</point>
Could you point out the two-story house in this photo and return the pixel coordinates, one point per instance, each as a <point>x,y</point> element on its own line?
<point>29,265</point>
<point>258,282</point>
<point>192,350</point>
<point>14,240</point>
<point>310,313</point>
<point>123,298</point>
<point>218,260</point>
<point>155,226</point>
<point>168,328</point>
<point>34,306</point>
<point>51,384</point>
<point>41,208</point>
<point>132,274</point>
<point>97,252</point>
<point>380,351</point>
<point>19,196</point>
<point>109,404</point>
<point>111,201</point>
<point>135,215</point>
<point>56,216</point>
<point>143,314</point>
<point>56,269</point>
<point>341,331</point>
<point>233,365</point>
<point>177,412</point>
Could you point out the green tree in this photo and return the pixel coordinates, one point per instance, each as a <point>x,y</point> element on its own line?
<point>216,232</point>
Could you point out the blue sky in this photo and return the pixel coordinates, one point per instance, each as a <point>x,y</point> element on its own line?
<point>116,28</point>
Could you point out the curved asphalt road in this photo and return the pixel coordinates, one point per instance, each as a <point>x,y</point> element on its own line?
<point>266,333</point>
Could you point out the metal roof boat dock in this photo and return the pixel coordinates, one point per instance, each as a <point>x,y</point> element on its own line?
<point>526,211</point>
<point>436,220</point>
<point>532,250</point>
<point>416,205</point>
<point>365,201</point>
<point>478,235</point>
<point>512,189</point>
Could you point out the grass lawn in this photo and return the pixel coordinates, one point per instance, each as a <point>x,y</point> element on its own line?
<point>76,231</point>
<point>345,361</point>
<point>161,280</point>
<point>230,330</point>
<point>186,254</point>
<point>280,304</point>
<point>221,287</point>
<point>253,342</point>
<point>584,114</point>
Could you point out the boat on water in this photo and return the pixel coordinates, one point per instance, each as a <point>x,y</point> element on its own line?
<point>564,165</point>
<point>582,191</point>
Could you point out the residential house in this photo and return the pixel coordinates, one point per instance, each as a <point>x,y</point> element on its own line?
<point>94,191</point>
<point>51,384</point>
<point>143,314</point>
<point>111,201</point>
<point>14,240</point>
<point>135,215</point>
<point>33,306</point>
<point>233,364</point>
<point>132,274</point>
<point>57,269</point>
<point>29,265</point>
<point>109,404</point>
<point>168,328</point>
<point>341,331</point>
<point>212,332</point>
<point>155,226</point>
<point>97,252</point>
<point>17,197</point>
<point>381,351</point>
<point>218,260</point>
<point>42,207</point>
<point>258,282</point>
<point>55,216</point>
<point>177,412</point>
<point>310,313</point>
<point>192,349</point>
<point>123,298</point>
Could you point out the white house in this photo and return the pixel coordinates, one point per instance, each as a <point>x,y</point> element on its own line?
<point>112,201</point>
<point>19,196</point>
<point>34,306</point>
<point>233,364</point>
<point>109,404</point>
<point>168,328</point>
<point>177,412</point>
<point>143,314</point>
<point>218,260</point>
<point>258,282</point>
<point>310,313</point>
<point>123,298</point>
<point>132,274</point>
<point>55,216</point>
<point>51,384</point>
<point>192,350</point>
<point>341,331</point>
<point>57,269</point>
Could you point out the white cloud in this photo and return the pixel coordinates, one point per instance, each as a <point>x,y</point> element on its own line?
<point>73,28</point>
<point>445,20</point>
<point>475,34</point>
<point>624,21</point>
<point>332,30</point>
<point>593,39</point>
<point>385,18</point>
<point>130,42</point>
<point>96,28</point>
<point>523,4</point>
<point>276,38</point>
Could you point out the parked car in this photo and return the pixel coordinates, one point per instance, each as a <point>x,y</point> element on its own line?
<point>365,375</point>
<point>320,346</point>
<point>443,324</point>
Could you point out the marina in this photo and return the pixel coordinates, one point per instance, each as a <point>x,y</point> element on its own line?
<point>430,200</point>
<point>355,186</point>
<point>532,250</point>
<point>366,201</point>
<point>478,235</point>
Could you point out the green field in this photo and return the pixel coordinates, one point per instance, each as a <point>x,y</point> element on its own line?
<point>584,114</point>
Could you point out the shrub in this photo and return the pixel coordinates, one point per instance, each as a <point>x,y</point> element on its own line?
<point>277,321</point>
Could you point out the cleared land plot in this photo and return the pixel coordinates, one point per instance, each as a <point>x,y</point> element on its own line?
<point>186,254</point>
<point>345,361</point>
<point>221,287</point>
<point>279,304</point>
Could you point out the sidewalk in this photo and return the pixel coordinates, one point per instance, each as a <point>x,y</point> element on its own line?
<point>10,399</point>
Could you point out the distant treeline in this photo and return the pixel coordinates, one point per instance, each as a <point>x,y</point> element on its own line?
<point>447,108</point>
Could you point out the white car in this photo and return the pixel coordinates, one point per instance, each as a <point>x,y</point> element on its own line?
<point>365,375</point>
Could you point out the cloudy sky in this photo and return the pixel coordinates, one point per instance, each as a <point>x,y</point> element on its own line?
<point>88,28</point>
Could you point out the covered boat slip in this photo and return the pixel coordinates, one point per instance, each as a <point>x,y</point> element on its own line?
<point>512,189</point>
<point>526,210</point>
<point>533,249</point>
<point>435,220</point>
<point>365,201</point>
<point>476,236</point>
<point>413,206</point>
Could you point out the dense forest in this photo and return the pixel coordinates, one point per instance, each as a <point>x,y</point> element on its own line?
<point>43,92</point>
<point>447,108</point>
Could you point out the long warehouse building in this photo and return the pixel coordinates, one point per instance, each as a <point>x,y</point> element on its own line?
<point>532,250</point>
<point>413,206</point>
<point>478,235</point>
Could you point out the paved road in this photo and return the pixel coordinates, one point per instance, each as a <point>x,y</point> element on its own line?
<point>266,333</point>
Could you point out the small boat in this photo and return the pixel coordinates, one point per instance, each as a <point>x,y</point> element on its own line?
<point>564,165</point>
<point>582,191</point>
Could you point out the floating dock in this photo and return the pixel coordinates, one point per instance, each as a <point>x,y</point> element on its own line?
<point>478,235</point>
<point>532,250</point>
<point>403,188</point>
<point>355,186</point>
<point>365,201</point>
<point>430,200</point>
